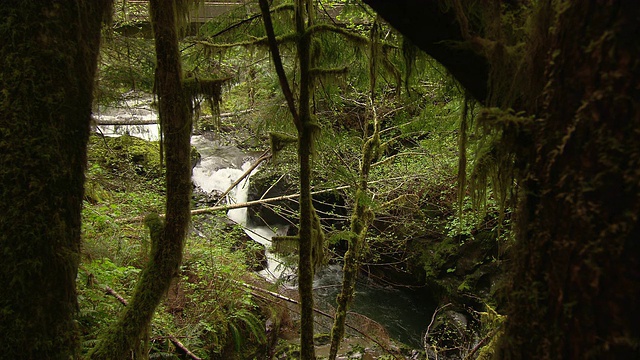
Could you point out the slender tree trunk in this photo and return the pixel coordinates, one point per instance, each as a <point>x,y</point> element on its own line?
<point>362,214</point>
<point>129,333</point>
<point>48,58</point>
<point>576,286</point>
<point>303,11</point>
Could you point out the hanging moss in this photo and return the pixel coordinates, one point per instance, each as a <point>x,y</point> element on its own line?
<point>319,245</point>
<point>319,252</point>
<point>495,161</point>
<point>279,141</point>
<point>285,245</point>
<point>211,89</point>
<point>409,54</point>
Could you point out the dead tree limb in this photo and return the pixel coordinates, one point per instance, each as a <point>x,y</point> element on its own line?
<point>265,155</point>
<point>235,206</point>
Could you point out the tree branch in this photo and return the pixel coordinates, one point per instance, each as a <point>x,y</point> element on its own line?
<point>277,62</point>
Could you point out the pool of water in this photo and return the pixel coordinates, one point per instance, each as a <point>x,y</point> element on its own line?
<point>404,313</point>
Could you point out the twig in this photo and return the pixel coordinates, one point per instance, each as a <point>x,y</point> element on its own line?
<point>179,345</point>
<point>272,186</point>
<point>113,293</point>
<point>293,301</point>
<point>277,62</point>
<point>425,341</point>
<point>171,338</point>
<point>491,334</point>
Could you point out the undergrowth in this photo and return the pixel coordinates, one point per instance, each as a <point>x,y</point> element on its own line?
<point>205,309</point>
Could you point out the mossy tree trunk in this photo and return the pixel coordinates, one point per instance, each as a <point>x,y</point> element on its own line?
<point>575,280</point>
<point>304,10</point>
<point>48,56</point>
<point>129,334</point>
<point>362,214</point>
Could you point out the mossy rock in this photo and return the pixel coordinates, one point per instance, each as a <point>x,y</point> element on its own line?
<point>122,163</point>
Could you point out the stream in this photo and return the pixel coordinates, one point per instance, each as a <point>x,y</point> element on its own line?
<point>403,313</point>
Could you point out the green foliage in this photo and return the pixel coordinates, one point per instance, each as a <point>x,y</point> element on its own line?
<point>96,310</point>
<point>205,309</point>
<point>127,61</point>
<point>412,183</point>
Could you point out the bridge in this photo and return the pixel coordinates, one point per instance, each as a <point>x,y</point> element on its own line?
<point>138,19</point>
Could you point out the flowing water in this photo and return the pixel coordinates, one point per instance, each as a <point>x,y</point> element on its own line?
<point>403,313</point>
<point>219,168</point>
<point>131,110</point>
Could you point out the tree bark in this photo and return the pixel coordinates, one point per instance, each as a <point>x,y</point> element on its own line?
<point>362,215</point>
<point>304,10</point>
<point>576,280</point>
<point>128,335</point>
<point>48,56</point>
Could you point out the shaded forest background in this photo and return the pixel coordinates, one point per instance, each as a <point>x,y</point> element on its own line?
<point>490,148</point>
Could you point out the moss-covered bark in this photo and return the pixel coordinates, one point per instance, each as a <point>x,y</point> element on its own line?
<point>307,130</point>
<point>304,11</point>
<point>576,282</point>
<point>128,335</point>
<point>48,57</point>
<point>362,214</point>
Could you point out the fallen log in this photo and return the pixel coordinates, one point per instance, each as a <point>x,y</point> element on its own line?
<point>234,206</point>
<point>137,120</point>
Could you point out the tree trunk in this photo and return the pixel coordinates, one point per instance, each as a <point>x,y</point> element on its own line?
<point>576,279</point>
<point>129,333</point>
<point>576,286</point>
<point>304,11</point>
<point>48,57</point>
<point>362,214</point>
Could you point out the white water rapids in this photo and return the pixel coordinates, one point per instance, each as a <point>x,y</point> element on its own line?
<point>218,169</point>
<point>220,166</point>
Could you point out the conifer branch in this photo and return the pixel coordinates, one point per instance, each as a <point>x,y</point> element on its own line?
<point>277,62</point>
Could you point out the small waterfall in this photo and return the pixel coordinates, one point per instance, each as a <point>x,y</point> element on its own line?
<point>218,169</point>
<point>135,110</point>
